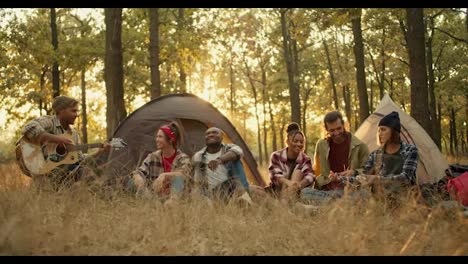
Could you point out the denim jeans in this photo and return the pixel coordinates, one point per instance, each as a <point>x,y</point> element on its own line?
<point>238,172</point>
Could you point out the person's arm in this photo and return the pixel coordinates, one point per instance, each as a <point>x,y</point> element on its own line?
<point>363,155</point>
<point>233,153</point>
<point>140,175</point>
<point>36,131</point>
<point>274,169</point>
<point>308,172</point>
<point>321,179</point>
<point>183,167</point>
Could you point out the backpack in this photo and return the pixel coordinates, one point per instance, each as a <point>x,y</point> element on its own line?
<point>458,188</point>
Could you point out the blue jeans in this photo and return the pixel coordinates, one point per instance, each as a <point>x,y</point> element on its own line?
<point>238,172</point>
<point>177,185</point>
<point>313,195</point>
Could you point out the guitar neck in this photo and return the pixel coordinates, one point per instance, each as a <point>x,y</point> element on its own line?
<point>84,146</point>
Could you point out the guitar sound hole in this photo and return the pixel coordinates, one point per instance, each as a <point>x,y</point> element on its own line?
<point>61,150</point>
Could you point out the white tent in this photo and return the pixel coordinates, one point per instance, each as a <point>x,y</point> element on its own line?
<point>431,165</point>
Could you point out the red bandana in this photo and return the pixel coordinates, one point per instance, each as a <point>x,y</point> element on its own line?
<point>168,133</point>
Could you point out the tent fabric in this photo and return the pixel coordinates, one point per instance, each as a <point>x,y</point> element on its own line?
<point>432,164</point>
<point>193,114</point>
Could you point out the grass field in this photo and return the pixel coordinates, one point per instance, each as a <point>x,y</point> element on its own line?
<point>81,222</point>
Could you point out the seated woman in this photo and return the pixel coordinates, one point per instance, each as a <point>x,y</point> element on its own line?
<point>166,170</point>
<point>394,163</point>
<point>290,168</point>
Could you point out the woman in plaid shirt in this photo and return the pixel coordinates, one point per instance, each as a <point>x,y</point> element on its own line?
<point>290,168</point>
<point>395,162</point>
<point>166,170</point>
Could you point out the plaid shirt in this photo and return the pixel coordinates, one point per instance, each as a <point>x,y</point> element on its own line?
<point>200,163</point>
<point>50,124</point>
<point>152,166</point>
<point>279,166</point>
<point>409,154</point>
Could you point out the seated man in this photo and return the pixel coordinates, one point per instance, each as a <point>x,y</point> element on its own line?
<point>52,129</point>
<point>337,158</point>
<point>218,169</point>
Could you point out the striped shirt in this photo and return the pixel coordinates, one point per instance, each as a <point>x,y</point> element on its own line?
<point>50,124</point>
<point>152,166</point>
<point>279,166</point>
<point>409,154</point>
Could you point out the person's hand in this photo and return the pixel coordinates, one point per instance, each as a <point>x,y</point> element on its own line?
<point>138,181</point>
<point>106,147</point>
<point>294,186</point>
<point>213,164</point>
<point>334,177</point>
<point>62,140</point>
<point>368,179</point>
<point>346,173</point>
<point>162,181</point>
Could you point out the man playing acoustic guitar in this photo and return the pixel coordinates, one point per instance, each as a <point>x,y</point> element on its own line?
<point>56,129</point>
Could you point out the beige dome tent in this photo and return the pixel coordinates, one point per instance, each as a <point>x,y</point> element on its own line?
<point>431,165</point>
<point>193,114</point>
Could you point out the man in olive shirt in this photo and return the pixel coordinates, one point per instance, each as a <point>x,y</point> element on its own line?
<point>337,156</point>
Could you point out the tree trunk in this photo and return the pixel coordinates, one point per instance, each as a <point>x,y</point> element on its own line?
<point>55,66</point>
<point>231,84</point>
<point>41,85</point>
<point>254,91</point>
<point>332,75</point>
<point>180,62</point>
<point>453,133</point>
<point>283,125</point>
<point>371,102</point>
<point>356,115</point>
<point>390,92</point>
<point>293,88</point>
<point>304,120</point>
<point>360,67</point>
<point>84,115</point>
<point>273,127</point>
<point>418,73</point>
<point>264,99</point>
<point>439,116</point>
<point>154,53</point>
<point>382,72</point>
<point>432,100</point>
<point>347,100</point>
<point>113,70</point>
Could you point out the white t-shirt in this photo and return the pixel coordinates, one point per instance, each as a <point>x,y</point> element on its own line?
<point>217,176</point>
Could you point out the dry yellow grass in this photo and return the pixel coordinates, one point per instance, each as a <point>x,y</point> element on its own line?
<point>79,222</point>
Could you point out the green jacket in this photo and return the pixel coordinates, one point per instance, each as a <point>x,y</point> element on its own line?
<point>359,152</point>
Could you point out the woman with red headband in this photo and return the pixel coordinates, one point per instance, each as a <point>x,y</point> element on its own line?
<point>167,169</point>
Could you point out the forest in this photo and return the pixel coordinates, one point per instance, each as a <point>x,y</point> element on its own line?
<point>262,68</point>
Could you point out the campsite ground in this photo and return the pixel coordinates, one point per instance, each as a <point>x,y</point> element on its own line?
<point>81,222</point>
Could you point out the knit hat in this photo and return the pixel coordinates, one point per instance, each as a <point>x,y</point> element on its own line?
<point>62,102</point>
<point>391,120</point>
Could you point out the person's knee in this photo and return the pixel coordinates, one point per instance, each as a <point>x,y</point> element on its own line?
<point>137,181</point>
<point>178,184</point>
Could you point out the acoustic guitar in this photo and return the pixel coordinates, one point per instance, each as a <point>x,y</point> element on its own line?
<point>35,159</point>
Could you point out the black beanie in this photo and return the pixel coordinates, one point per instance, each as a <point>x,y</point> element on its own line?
<point>391,120</point>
